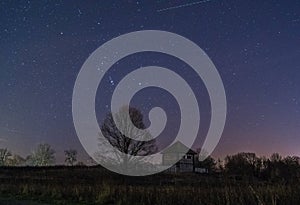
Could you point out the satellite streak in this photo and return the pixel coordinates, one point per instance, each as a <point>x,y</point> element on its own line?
<point>183,5</point>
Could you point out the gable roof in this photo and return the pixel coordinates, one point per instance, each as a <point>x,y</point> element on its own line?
<point>178,147</point>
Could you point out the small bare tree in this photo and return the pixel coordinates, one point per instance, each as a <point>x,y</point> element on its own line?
<point>4,154</point>
<point>44,155</point>
<point>71,156</point>
<point>15,160</point>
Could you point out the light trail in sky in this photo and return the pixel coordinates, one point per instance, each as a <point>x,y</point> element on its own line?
<point>11,130</point>
<point>183,5</point>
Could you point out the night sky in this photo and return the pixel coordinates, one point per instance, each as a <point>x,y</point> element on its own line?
<point>254,44</point>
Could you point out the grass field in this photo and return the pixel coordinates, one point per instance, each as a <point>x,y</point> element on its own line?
<point>94,185</point>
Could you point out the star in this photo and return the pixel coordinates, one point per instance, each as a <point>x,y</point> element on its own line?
<point>111,81</point>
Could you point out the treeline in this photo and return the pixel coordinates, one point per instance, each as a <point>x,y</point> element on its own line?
<point>249,166</point>
<point>239,166</point>
<point>43,155</point>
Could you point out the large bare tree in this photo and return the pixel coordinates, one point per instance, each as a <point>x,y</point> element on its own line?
<point>120,140</point>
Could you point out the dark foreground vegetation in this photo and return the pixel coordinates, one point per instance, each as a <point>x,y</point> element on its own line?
<point>241,179</point>
<point>95,185</point>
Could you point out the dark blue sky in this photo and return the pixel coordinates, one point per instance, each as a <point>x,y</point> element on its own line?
<point>254,45</point>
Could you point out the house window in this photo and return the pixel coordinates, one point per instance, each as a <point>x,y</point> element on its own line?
<point>188,156</point>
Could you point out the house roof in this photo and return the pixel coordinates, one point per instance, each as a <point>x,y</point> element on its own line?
<point>178,147</point>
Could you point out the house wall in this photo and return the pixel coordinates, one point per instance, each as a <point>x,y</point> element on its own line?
<point>186,164</point>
